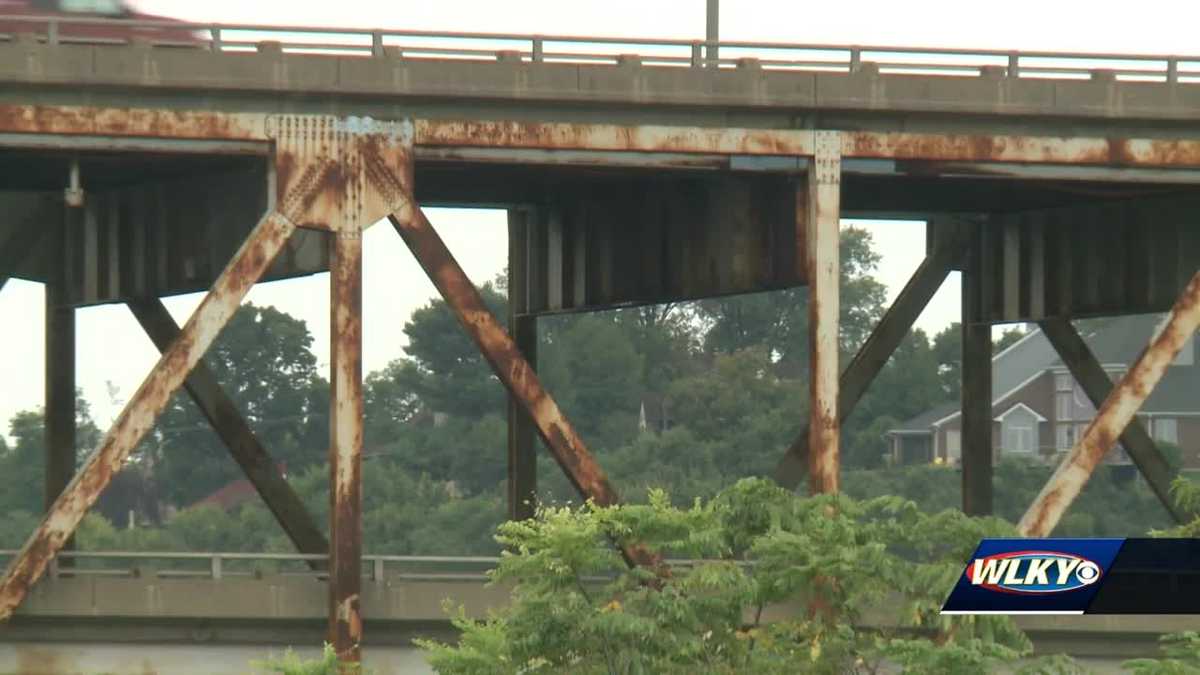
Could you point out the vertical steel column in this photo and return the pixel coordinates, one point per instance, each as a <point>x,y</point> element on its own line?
<point>1111,419</point>
<point>976,395</point>
<point>522,451</point>
<point>59,422</point>
<point>821,222</point>
<point>345,447</point>
<point>246,267</point>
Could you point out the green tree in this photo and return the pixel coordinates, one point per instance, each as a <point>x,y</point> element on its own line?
<point>908,385</point>
<point>778,320</point>
<point>947,349</point>
<point>821,562</point>
<point>443,370</point>
<point>264,362</point>
<point>666,339</point>
<point>590,365</point>
<point>22,466</point>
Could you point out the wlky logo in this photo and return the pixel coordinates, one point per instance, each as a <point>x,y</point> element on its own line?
<point>1033,572</point>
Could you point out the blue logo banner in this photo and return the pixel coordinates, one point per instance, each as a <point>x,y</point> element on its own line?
<point>1033,576</point>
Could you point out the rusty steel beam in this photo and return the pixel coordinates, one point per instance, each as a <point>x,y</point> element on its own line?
<point>198,124</point>
<point>643,138</point>
<point>59,422</point>
<point>875,352</point>
<point>1132,152</point>
<point>1114,415</point>
<point>246,267</point>
<point>221,412</point>
<point>1125,152</point>
<point>345,444</point>
<point>145,122</point>
<point>502,354</point>
<point>819,229</point>
<point>522,435</point>
<point>1091,377</point>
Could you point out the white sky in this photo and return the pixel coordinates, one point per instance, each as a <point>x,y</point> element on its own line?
<point>111,348</point>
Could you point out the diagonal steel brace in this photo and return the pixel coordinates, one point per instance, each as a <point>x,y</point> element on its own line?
<point>247,266</point>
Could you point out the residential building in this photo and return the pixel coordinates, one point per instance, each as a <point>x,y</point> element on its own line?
<point>1039,411</point>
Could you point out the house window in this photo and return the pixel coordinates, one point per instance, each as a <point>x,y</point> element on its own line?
<point>1018,430</point>
<point>953,445</point>
<point>1063,405</point>
<point>1064,436</point>
<point>1166,429</point>
<point>1018,438</point>
<point>1063,382</point>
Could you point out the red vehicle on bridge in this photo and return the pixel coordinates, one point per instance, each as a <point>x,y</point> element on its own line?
<point>83,21</point>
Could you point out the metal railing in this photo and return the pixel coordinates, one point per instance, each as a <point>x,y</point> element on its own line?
<point>406,44</point>
<point>221,565</point>
<point>218,565</point>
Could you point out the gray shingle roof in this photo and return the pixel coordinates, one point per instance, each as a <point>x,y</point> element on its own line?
<point>1118,340</point>
<point>925,420</point>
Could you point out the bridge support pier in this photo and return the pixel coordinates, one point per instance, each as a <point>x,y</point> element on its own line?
<point>522,448</point>
<point>345,445</point>
<point>818,223</point>
<point>976,395</point>
<point>1114,415</point>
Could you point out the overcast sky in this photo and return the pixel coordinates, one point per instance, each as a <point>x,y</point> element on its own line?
<point>113,351</point>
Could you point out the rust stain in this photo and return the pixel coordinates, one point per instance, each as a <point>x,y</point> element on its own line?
<point>520,134</point>
<point>331,175</point>
<point>898,145</point>
<point>346,435</point>
<point>1005,148</point>
<point>149,122</point>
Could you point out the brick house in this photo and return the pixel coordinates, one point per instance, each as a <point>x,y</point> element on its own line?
<point>1038,410</point>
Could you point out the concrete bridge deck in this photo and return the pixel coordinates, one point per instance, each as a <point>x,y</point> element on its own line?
<point>391,74</point>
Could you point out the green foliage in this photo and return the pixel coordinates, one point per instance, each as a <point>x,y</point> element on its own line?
<point>263,360</point>
<point>22,466</point>
<point>443,370</point>
<point>291,664</point>
<point>777,321</point>
<point>15,527</point>
<point>782,586</point>
<point>1108,506</point>
<point>1183,657</point>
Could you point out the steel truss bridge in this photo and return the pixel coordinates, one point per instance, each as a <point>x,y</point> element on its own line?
<point>1061,186</point>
